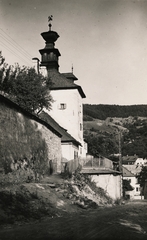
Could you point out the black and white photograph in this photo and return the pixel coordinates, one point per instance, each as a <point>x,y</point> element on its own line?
<point>73,119</point>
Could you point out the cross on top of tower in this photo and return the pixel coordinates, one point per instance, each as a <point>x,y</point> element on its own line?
<point>50,18</point>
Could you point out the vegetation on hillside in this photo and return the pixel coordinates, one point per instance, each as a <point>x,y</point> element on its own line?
<point>106,137</point>
<point>135,140</point>
<point>102,111</point>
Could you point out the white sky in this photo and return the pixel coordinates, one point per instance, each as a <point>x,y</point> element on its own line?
<point>105,40</point>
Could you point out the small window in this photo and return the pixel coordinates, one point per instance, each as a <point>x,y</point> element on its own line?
<point>80,126</point>
<point>62,106</point>
<point>137,189</point>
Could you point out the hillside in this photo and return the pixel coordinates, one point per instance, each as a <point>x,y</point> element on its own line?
<point>114,134</point>
<point>102,111</point>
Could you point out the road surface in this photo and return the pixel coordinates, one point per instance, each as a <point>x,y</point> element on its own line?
<point>124,222</point>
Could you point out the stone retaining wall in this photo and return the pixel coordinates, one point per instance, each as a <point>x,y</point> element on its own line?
<point>27,142</point>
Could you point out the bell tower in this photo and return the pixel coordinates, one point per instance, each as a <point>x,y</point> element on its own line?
<point>67,108</point>
<point>50,54</point>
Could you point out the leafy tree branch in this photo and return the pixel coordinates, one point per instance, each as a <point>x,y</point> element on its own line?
<point>25,87</point>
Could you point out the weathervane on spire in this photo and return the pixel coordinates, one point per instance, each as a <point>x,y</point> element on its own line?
<point>50,18</point>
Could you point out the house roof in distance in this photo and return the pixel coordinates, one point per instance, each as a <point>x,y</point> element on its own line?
<point>66,137</point>
<point>126,172</point>
<point>133,168</point>
<point>60,81</point>
<point>129,159</point>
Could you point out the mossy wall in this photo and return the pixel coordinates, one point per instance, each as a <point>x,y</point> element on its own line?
<point>25,142</point>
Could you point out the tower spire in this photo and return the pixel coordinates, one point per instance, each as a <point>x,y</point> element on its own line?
<point>50,18</point>
<point>50,54</point>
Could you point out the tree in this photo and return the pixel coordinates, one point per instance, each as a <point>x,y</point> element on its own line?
<point>127,186</point>
<point>142,176</point>
<point>25,87</point>
<point>3,72</point>
<point>99,145</point>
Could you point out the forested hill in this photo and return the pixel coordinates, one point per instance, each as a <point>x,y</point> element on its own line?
<point>102,111</point>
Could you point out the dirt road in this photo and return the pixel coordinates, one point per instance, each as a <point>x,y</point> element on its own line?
<point>124,222</point>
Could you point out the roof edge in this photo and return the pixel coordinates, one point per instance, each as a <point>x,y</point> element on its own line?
<point>28,114</point>
<point>71,87</point>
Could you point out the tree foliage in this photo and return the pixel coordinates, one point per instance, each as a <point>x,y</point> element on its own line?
<point>135,140</point>
<point>142,176</point>
<point>99,145</point>
<point>127,186</point>
<point>25,87</point>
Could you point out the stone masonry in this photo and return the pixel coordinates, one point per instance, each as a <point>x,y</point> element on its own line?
<point>26,140</point>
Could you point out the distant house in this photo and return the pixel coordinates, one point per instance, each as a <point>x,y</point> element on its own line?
<point>129,160</point>
<point>141,162</point>
<point>103,174</point>
<point>131,177</point>
<point>135,169</point>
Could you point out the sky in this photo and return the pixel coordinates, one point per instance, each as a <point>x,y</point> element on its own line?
<point>104,40</point>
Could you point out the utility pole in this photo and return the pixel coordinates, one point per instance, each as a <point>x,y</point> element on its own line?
<point>120,157</point>
<point>120,164</point>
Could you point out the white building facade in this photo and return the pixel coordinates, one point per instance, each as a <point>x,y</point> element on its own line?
<point>141,161</point>
<point>67,108</point>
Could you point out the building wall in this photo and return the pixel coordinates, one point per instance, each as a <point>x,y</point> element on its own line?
<point>69,151</point>
<point>135,185</point>
<point>129,194</point>
<point>110,183</point>
<point>141,161</point>
<point>22,137</point>
<point>83,150</point>
<point>71,117</point>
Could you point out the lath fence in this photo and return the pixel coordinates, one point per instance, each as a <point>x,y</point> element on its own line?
<point>85,163</point>
<point>99,163</point>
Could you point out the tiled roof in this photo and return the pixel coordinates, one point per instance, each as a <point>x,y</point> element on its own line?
<point>133,168</point>
<point>129,158</point>
<point>126,172</point>
<point>70,75</point>
<point>59,81</point>
<point>66,137</point>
